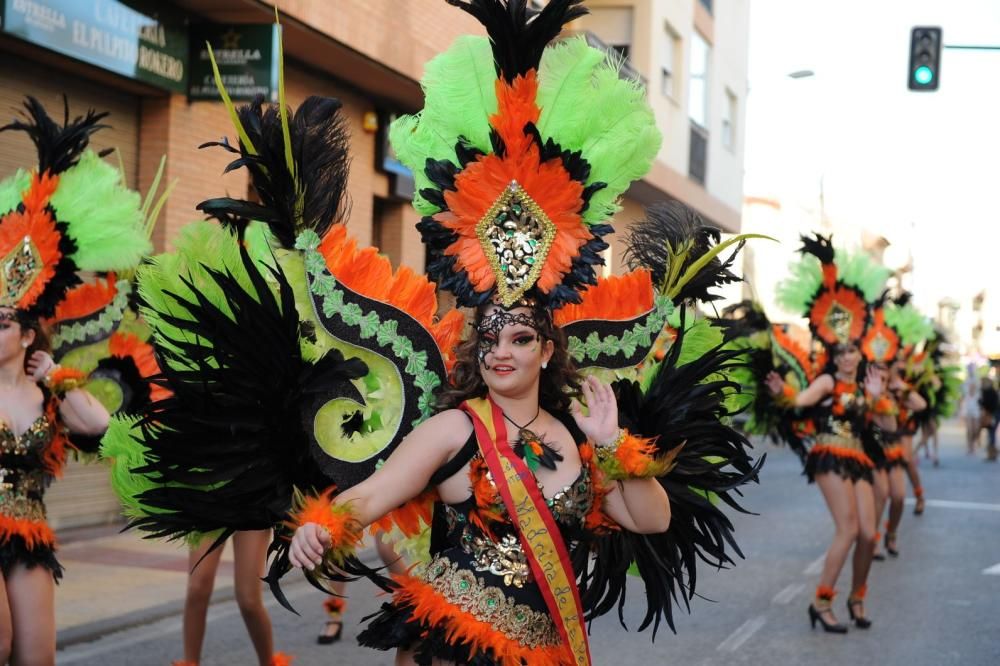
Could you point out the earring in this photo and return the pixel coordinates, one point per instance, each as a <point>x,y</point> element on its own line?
<point>24,344</point>
<point>545,364</point>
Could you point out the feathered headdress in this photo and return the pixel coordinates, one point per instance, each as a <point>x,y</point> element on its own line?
<point>896,326</point>
<point>520,154</point>
<point>833,290</point>
<point>71,213</point>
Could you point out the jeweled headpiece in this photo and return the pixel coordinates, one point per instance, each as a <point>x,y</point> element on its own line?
<point>520,154</point>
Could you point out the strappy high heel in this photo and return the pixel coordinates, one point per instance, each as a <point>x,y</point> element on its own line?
<point>816,615</point>
<point>860,621</point>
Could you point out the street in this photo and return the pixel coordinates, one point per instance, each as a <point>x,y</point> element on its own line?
<point>937,604</point>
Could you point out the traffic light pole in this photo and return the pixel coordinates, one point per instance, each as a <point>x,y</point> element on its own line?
<point>967,47</point>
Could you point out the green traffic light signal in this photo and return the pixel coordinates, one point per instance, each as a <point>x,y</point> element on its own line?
<point>925,58</point>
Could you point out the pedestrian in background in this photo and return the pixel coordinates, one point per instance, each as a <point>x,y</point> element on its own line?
<point>989,403</point>
<point>971,412</point>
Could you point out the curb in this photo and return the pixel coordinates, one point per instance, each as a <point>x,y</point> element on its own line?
<point>92,631</point>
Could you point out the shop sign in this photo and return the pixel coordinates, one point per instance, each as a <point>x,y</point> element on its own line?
<point>247,56</point>
<point>133,39</point>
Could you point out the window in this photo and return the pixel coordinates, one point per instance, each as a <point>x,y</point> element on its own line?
<point>668,61</point>
<point>698,97</point>
<point>729,115</point>
<point>613,26</point>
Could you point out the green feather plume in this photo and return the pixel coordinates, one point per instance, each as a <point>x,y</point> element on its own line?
<point>859,270</point>
<point>909,323</point>
<point>596,111</point>
<point>104,217</point>
<point>460,95</point>
<point>11,189</point>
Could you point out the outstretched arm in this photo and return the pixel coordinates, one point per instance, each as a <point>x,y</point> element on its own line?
<point>404,475</point>
<point>821,387</point>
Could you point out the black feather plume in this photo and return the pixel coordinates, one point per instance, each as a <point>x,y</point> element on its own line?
<point>315,195</point>
<point>683,406</point>
<point>674,232</point>
<point>59,146</point>
<point>518,36</point>
<point>818,246</point>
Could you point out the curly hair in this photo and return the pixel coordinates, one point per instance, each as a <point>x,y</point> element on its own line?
<point>559,382</point>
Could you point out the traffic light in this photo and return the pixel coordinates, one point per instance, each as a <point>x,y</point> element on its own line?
<point>925,58</point>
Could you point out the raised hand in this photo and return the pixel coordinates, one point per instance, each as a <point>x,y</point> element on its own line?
<point>774,382</point>
<point>600,425</point>
<point>873,382</point>
<point>309,544</point>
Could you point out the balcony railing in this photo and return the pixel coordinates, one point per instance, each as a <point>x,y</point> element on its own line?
<point>698,154</point>
<point>627,71</point>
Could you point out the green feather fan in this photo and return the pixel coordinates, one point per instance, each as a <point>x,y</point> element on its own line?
<point>201,246</point>
<point>105,218</point>
<point>123,448</point>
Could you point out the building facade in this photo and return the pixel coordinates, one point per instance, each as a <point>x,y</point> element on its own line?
<point>137,59</point>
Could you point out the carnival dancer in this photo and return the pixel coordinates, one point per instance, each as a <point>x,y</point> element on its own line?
<point>72,213</point>
<point>833,291</point>
<point>895,329</point>
<point>516,182</point>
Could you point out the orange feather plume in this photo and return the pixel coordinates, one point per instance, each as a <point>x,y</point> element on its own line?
<point>614,298</point>
<point>87,299</point>
<point>370,274</point>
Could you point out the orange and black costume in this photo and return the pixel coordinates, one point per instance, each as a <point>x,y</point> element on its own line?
<point>29,461</point>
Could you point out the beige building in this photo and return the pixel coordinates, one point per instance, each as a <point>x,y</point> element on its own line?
<point>692,55</point>
<point>370,54</point>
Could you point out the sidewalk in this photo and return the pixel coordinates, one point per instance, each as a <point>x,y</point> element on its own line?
<point>118,580</point>
<point>115,581</point>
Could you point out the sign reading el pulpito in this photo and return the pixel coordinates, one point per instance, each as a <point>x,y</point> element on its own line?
<point>133,39</point>
<point>247,56</point>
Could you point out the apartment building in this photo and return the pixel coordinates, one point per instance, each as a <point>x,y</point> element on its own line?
<point>692,56</point>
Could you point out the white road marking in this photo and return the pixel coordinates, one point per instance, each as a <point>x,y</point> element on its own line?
<point>742,634</point>
<point>816,566</point>
<point>952,504</point>
<point>788,593</point>
<point>107,645</point>
<point>993,570</point>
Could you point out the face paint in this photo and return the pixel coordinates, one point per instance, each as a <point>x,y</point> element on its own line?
<point>491,325</point>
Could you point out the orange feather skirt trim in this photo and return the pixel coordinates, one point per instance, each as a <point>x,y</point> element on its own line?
<point>432,609</point>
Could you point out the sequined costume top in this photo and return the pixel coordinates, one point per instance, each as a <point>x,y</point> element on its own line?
<point>28,463</point>
<point>476,600</point>
<point>839,447</point>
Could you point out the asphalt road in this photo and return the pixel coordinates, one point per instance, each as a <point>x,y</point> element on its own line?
<point>937,604</point>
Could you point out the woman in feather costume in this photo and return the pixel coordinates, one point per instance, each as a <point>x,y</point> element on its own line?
<point>72,213</point>
<point>834,292</point>
<point>314,363</point>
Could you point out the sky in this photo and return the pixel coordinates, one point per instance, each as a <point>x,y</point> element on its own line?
<point>921,169</point>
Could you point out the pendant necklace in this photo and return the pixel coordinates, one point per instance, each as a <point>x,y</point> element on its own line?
<point>531,448</point>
